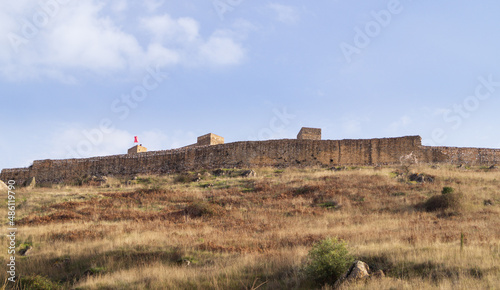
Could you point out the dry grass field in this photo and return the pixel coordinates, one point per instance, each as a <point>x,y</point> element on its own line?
<point>202,230</point>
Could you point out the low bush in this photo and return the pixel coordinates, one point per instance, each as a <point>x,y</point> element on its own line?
<point>448,200</point>
<point>447,190</point>
<point>199,209</point>
<point>328,260</point>
<point>37,282</point>
<point>183,178</point>
<point>306,189</point>
<point>329,204</point>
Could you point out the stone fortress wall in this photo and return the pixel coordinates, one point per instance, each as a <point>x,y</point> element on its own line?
<point>308,150</point>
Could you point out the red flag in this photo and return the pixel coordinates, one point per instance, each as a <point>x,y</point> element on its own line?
<point>136,140</point>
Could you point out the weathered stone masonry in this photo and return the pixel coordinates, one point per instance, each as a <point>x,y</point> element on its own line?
<point>274,153</point>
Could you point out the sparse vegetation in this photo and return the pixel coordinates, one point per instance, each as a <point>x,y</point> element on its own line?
<point>328,260</point>
<point>236,232</point>
<point>447,201</point>
<point>447,190</point>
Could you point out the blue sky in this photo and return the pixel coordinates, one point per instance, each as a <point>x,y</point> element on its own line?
<point>81,78</point>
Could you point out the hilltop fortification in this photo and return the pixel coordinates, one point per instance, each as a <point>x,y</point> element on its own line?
<point>210,153</point>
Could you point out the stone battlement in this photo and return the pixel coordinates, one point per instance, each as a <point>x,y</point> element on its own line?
<point>309,134</point>
<point>210,139</point>
<point>248,154</point>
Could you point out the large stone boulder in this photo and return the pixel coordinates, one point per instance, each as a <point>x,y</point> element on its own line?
<point>221,172</point>
<point>97,180</point>
<point>420,177</point>
<point>358,270</point>
<point>378,274</point>
<point>26,251</point>
<point>3,187</point>
<point>30,182</point>
<point>249,173</point>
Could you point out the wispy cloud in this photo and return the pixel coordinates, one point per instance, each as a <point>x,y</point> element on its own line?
<point>352,125</point>
<point>401,123</point>
<point>80,38</point>
<point>153,5</point>
<point>284,13</point>
<point>110,143</point>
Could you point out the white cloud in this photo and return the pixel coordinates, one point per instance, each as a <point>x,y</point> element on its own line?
<point>286,14</point>
<point>244,26</point>
<point>219,50</point>
<point>81,37</point>
<point>353,125</point>
<point>164,28</point>
<point>396,126</point>
<point>160,55</point>
<point>119,5</point>
<point>76,141</point>
<point>89,41</point>
<point>79,142</point>
<point>152,5</point>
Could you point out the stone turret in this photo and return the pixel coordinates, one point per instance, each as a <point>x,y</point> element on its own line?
<point>137,149</point>
<point>210,139</point>
<point>309,134</point>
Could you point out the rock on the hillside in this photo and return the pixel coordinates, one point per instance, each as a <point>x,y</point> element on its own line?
<point>249,173</point>
<point>219,172</point>
<point>30,182</point>
<point>3,187</point>
<point>62,263</point>
<point>358,270</point>
<point>378,274</point>
<point>98,180</point>
<point>419,177</point>
<point>488,202</point>
<point>26,251</point>
<point>197,178</point>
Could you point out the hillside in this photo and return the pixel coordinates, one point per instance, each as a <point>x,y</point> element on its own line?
<point>220,229</point>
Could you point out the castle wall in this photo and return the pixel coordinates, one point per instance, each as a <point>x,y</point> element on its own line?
<point>274,153</point>
<point>457,155</point>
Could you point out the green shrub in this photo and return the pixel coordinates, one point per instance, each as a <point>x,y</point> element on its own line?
<point>37,282</point>
<point>328,260</point>
<point>203,208</point>
<point>447,190</point>
<point>446,201</point>
<point>329,204</point>
<point>95,271</point>
<point>183,178</point>
<point>306,189</point>
<point>144,180</point>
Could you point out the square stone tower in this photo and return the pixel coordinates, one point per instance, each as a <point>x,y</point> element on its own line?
<point>137,149</point>
<point>210,139</point>
<point>309,134</point>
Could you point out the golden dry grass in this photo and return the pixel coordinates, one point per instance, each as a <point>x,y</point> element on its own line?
<point>247,233</point>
